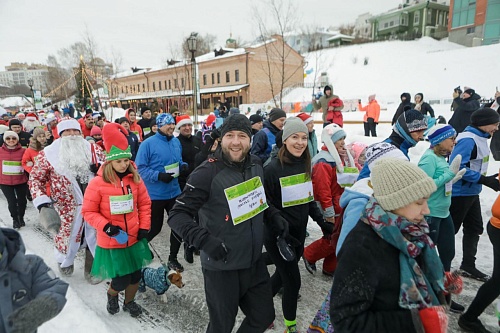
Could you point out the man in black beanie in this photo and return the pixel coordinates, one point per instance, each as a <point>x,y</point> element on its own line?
<point>264,140</point>
<point>145,121</point>
<point>472,145</point>
<point>16,126</point>
<point>464,105</point>
<point>230,202</point>
<point>257,123</point>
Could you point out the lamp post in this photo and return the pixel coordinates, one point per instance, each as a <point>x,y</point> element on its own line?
<point>191,43</point>
<point>30,84</point>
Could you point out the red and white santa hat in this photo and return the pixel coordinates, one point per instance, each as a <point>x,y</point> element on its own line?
<point>183,120</point>
<point>31,116</point>
<point>305,117</point>
<point>210,119</point>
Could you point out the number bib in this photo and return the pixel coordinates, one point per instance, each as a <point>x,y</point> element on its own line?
<point>121,204</point>
<point>146,130</point>
<point>348,177</point>
<point>12,168</point>
<point>447,188</point>
<point>173,168</point>
<point>296,190</point>
<point>246,200</point>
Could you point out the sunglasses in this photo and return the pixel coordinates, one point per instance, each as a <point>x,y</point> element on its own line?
<point>10,138</point>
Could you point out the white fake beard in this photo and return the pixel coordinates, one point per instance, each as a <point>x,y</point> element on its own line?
<point>75,157</point>
<point>30,125</point>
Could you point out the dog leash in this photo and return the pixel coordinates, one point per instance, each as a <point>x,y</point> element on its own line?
<point>157,255</point>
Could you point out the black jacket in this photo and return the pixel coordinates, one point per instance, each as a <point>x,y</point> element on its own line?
<point>145,123</point>
<point>426,108</point>
<point>403,106</point>
<point>204,193</point>
<point>462,112</point>
<point>495,139</point>
<point>365,290</point>
<point>190,147</point>
<point>297,216</point>
<point>133,142</point>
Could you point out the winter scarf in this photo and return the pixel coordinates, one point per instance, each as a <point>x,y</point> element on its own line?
<point>418,284</point>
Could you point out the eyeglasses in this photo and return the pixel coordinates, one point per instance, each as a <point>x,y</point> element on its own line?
<point>10,138</point>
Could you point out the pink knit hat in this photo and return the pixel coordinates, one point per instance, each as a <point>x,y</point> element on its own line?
<point>96,130</point>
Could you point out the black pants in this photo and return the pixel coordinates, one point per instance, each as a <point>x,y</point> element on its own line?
<point>249,289</point>
<point>16,199</point>
<point>490,290</point>
<point>158,208</point>
<point>467,211</point>
<point>442,233</point>
<point>120,283</point>
<point>370,126</point>
<point>287,275</point>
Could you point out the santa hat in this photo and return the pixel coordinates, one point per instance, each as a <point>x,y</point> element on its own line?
<point>331,134</point>
<point>20,116</point>
<point>68,124</point>
<point>115,142</point>
<point>183,120</point>
<point>31,116</point>
<point>210,119</point>
<point>305,118</point>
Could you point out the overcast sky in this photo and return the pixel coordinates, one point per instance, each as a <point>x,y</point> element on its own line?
<point>145,31</point>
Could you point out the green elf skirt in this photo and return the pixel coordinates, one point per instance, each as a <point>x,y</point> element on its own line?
<point>110,263</point>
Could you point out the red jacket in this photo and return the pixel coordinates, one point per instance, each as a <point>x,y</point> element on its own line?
<point>12,155</point>
<point>372,110</point>
<point>29,158</point>
<point>335,116</point>
<point>134,126</point>
<point>326,189</point>
<point>97,212</point>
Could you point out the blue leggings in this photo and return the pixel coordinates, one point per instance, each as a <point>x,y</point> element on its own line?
<point>442,233</point>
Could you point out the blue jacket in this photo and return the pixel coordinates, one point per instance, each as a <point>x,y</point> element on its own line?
<point>394,139</point>
<point>154,154</point>
<point>353,201</point>
<point>23,278</point>
<point>264,140</point>
<point>468,185</point>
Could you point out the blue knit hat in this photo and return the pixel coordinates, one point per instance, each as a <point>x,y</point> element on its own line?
<point>164,119</point>
<point>439,133</point>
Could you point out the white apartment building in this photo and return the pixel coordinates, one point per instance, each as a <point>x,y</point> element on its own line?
<point>20,73</point>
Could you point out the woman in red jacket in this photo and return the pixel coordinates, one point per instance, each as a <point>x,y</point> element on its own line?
<point>134,126</point>
<point>13,180</point>
<point>37,143</point>
<point>116,203</point>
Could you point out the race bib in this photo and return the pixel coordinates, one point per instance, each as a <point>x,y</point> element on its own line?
<point>173,168</point>
<point>447,188</point>
<point>296,190</point>
<point>348,177</point>
<point>246,200</point>
<point>146,130</point>
<point>12,168</point>
<point>484,165</point>
<point>121,204</point>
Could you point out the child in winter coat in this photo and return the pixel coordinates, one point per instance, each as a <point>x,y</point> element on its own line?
<point>117,205</point>
<point>334,113</point>
<point>289,195</point>
<point>333,169</point>
<point>37,143</point>
<point>389,277</point>
<point>13,179</point>
<point>490,290</point>
<point>358,152</point>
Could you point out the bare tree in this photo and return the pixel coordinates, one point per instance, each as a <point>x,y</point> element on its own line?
<point>204,44</point>
<point>275,18</point>
<point>59,83</point>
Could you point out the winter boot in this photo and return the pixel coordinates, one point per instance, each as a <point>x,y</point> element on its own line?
<point>16,224</point>
<point>66,271</point>
<point>21,221</point>
<point>129,305</point>
<point>175,265</point>
<point>89,260</point>
<point>473,273</point>
<point>112,305</point>
<point>472,326</point>
<point>291,326</point>
<point>188,253</point>
<point>310,267</point>
<point>133,308</point>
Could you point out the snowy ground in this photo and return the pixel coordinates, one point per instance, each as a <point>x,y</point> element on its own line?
<point>185,309</point>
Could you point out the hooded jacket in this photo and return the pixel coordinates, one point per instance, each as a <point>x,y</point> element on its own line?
<point>96,209</point>
<point>23,278</point>
<point>322,103</point>
<point>463,110</point>
<point>12,155</point>
<point>424,107</point>
<point>264,140</point>
<point>134,126</point>
<point>403,106</point>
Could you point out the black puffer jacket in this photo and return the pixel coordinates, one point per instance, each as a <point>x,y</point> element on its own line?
<point>403,106</point>
<point>190,147</point>
<point>462,112</point>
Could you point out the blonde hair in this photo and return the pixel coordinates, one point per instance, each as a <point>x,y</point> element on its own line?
<point>109,174</point>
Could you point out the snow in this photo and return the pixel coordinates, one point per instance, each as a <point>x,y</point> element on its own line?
<point>391,71</point>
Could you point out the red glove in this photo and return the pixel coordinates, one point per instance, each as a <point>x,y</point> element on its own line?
<point>434,319</point>
<point>453,282</point>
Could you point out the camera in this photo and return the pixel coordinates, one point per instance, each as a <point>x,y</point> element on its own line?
<point>458,90</point>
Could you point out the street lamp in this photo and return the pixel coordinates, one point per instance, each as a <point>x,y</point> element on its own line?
<point>30,84</point>
<point>191,44</point>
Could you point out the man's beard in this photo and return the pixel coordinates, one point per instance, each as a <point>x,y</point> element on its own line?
<point>75,157</point>
<point>30,125</point>
<point>227,152</point>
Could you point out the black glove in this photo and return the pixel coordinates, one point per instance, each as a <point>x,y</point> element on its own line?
<point>326,227</point>
<point>111,230</point>
<point>184,168</point>
<point>28,317</point>
<point>278,226</point>
<point>143,233</point>
<point>95,167</point>
<point>165,177</point>
<point>490,181</point>
<point>47,205</point>
<point>286,247</point>
<point>215,248</point>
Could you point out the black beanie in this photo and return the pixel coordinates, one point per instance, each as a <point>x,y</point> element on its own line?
<point>470,91</point>
<point>122,119</point>
<point>14,122</point>
<point>144,109</point>
<point>236,122</point>
<point>484,116</point>
<point>276,113</point>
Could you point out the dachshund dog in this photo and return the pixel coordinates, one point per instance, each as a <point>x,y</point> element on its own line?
<point>159,279</point>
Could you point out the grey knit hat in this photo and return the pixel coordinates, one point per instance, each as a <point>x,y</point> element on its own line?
<point>293,125</point>
<point>397,183</point>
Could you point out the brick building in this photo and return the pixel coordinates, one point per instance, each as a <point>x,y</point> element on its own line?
<point>229,76</point>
